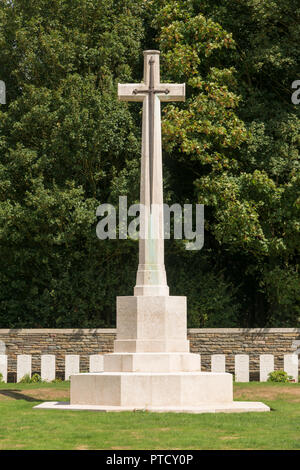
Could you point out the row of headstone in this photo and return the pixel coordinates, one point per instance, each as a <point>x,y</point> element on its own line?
<point>48,365</point>
<point>266,365</point>
<point>48,362</point>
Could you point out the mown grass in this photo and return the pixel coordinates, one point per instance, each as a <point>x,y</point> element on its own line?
<point>22,427</point>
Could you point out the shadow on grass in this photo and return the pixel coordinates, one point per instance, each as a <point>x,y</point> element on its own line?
<point>16,395</point>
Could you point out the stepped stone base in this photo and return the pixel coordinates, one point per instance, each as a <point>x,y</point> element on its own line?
<point>151,367</point>
<point>181,392</point>
<point>177,392</point>
<point>151,362</point>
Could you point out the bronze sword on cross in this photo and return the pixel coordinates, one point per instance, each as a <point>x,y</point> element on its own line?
<point>151,275</point>
<point>151,88</point>
<point>151,91</point>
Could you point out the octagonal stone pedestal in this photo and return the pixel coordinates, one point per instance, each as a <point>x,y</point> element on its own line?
<point>153,323</point>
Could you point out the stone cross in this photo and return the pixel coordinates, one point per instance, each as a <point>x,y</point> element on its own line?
<point>151,275</point>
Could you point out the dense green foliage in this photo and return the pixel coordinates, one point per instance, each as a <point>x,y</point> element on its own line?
<point>67,144</point>
<point>27,379</point>
<point>279,376</point>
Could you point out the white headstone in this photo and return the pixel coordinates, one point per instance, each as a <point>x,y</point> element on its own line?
<point>96,363</point>
<point>2,92</point>
<point>2,347</point>
<point>266,365</point>
<point>48,367</point>
<point>218,363</point>
<point>290,366</point>
<point>241,368</point>
<point>71,365</point>
<point>3,367</point>
<point>296,346</point>
<point>23,366</point>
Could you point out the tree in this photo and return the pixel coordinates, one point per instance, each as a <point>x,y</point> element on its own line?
<point>66,142</point>
<point>238,134</point>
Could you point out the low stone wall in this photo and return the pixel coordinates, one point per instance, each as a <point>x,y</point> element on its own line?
<point>84,342</point>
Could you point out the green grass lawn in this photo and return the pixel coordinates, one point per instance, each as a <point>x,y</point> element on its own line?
<point>22,427</point>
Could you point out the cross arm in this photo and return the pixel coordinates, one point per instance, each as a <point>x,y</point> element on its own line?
<point>126,91</point>
<point>176,92</point>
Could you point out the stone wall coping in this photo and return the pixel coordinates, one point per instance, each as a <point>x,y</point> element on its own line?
<point>63,331</point>
<point>73,331</point>
<point>243,330</point>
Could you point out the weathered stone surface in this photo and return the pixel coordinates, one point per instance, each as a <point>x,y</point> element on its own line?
<point>266,366</point>
<point>151,389</point>
<point>151,324</point>
<point>71,365</point>
<point>48,367</point>
<point>242,368</point>
<point>3,367</point>
<point>152,362</point>
<point>96,363</point>
<point>218,363</point>
<point>291,365</point>
<point>233,407</point>
<point>23,366</point>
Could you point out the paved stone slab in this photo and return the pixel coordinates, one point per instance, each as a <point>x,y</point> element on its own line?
<point>233,407</point>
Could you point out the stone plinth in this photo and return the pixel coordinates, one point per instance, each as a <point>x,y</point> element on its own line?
<point>147,389</point>
<point>151,324</point>
<point>152,368</point>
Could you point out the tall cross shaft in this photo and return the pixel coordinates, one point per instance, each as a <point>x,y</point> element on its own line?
<point>151,91</point>
<point>151,276</point>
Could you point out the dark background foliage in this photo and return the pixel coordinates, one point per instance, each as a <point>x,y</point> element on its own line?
<point>67,145</point>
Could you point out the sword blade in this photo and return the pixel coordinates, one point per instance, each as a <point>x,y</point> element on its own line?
<point>151,128</point>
